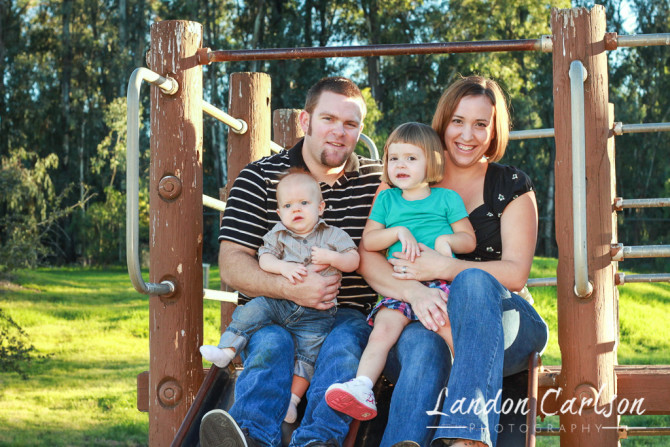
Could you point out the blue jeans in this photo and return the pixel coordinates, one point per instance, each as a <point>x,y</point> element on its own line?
<point>494,332</point>
<point>308,326</point>
<point>263,388</point>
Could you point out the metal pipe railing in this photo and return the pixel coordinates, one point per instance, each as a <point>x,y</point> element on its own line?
<point>621,203</point>
<point>237,125</point>
<point>218,295</point>
<point>169,86</point>
<point>372,147</point>
<point>211,202</point>
<point>583,287</point>
<point>531,133</point>
<point>206,56</point>
<point>620,252</point>
<point>621,128</point>
<point>642,40</point>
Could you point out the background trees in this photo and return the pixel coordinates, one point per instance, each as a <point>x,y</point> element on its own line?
<point>65,64</point>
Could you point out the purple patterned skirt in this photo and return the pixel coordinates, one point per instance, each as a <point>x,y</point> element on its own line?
<point>401,306</point>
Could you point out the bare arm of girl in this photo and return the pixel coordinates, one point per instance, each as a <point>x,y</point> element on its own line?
<point>462,240</point>
<point>377,237</point>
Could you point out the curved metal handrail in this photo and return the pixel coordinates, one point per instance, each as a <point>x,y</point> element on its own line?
<point>372,147</point>
<point>168,86</point>
<point>583,287</point>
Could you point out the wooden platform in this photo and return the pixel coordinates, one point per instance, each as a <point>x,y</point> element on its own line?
<point>649,384</point>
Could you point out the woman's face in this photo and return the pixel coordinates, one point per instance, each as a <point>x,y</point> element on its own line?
<point>470,131</point>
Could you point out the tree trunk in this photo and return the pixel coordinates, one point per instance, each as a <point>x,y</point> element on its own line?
<point>66,77</point>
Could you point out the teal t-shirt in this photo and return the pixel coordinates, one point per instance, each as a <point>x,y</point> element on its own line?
<point>426,219</point>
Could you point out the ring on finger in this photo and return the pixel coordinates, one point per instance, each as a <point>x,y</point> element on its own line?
<point>404,269</point>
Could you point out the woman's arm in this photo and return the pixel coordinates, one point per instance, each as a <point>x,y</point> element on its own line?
<point>518,231</point>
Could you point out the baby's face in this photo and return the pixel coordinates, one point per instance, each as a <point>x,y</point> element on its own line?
<point>299,204</point>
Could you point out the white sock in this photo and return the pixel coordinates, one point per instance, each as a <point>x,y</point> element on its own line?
<point>292,412</point>
<point>365,380</point>
<point>220,357</point>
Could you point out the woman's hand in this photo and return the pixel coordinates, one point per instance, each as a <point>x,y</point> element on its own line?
<point>429,305</point>
<point>426,267</point>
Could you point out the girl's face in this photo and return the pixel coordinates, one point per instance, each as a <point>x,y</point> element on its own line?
<point>406,166</point>
<point>469,133</point>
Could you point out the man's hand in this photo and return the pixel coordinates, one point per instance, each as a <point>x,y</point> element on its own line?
<point>315,291</point>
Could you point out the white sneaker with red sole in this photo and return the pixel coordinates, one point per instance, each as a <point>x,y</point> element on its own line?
<point>353,399</point>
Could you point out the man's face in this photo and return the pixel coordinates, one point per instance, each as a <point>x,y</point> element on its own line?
<point>332,129</point>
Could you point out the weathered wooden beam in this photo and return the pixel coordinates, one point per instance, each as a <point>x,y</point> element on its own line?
<point>175,320</point>
<point>587,327</point>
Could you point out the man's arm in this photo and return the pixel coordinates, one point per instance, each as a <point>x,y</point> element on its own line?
<point>240,270</point>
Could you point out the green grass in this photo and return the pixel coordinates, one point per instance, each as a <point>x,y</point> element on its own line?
<point>94,328</point>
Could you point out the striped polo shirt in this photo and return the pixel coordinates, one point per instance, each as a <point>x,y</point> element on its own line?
<point>251,209</point>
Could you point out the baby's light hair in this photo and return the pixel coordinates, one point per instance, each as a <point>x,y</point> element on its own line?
<point>423,136</point>
<point>297,171</point>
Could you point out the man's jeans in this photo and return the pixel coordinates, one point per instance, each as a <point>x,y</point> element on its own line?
<point>308,327</point>
<point>264,387</point>
<point>494,332</point>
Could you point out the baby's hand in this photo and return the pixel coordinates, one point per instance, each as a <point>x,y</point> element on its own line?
<point>442,246</point>
<point>293,271</point>
<point>410,246</point>
<point>321,255</point>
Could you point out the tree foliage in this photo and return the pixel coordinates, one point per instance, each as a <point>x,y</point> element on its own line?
<point>65,65</point>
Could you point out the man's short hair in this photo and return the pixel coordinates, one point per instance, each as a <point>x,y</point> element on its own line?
<point>336,84</point>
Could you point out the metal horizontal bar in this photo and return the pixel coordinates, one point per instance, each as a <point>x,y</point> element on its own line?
<point>621,203</point>
<point>541,282</point>
<point>620,128</point>
<point>641,40</point>
<point>237,125</point>
<point>208,56</point>
<point>531,133</point>
<point>218,295</point>
<point>620,252</point>
<point>211,202</point>
<point>621,278</point>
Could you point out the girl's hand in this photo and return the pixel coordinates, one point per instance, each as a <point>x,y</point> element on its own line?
<point>410,247</point>
<point>430,265</point>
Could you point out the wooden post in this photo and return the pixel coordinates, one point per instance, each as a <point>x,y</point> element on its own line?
<point>175,228</point>
<point>286,128</point>
<point>587,327</point>
<point>249,101</point>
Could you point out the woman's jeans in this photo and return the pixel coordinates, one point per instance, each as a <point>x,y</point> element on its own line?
<point>494,332</point>
<point>263,389</point>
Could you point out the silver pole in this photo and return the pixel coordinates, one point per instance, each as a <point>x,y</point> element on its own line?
<point>583,287</point>
<point>169,86</point>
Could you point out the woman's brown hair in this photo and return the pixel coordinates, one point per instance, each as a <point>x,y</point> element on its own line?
<point>476,86</point>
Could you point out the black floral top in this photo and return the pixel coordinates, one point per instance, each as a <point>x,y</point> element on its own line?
<point>502,184</point>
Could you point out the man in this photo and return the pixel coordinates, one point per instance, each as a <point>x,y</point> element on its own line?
<point>332,121</point>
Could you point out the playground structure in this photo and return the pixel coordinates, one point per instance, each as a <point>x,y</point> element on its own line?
<point>589,250</point>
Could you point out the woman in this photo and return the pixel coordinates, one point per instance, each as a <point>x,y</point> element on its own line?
<point>494,330</point>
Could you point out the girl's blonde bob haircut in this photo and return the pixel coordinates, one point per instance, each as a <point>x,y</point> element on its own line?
<point>476,86</point>
<point>423,136</point>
